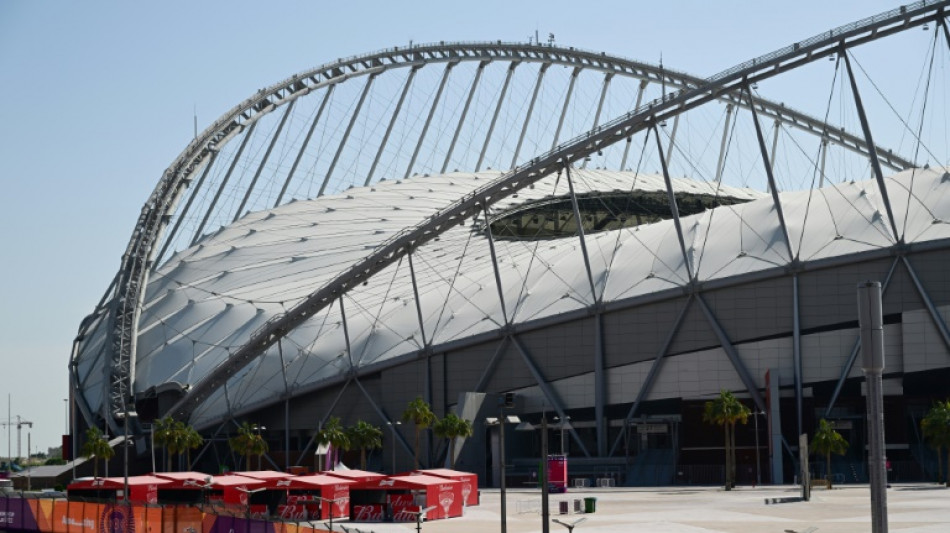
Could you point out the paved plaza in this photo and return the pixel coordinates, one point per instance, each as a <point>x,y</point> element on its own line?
<point>912,508</point>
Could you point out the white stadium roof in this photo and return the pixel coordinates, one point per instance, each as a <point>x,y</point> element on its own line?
<point>209,299</point>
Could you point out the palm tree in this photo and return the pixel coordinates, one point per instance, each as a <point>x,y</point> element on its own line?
<point>452,427</point>
<point>164,436</point>
<point>190,440</point>
<point>365,436</point>
<point>96,446</point>
<point>419,413</point>
<point>827,441</point>
<point>333,434</point>
<point>726,411</point>
<point>247,443</point>
<point>936,429</point>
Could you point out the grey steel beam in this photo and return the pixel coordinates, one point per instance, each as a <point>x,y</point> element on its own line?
<point>626,148</point>
<point>306,142</point>
<point>778,124</point>
<point>600,106</point>
<point>797,351</point>
<point>732,354</point>
<point>674,210</point>
<point>931,308</point>
<point>468,102</point>
<point>260,167</point>
<point>383,415</point>
<point>346,333</point>
<point>856,347</point>
<point>875,164</point>
<point>425,127</point>
<point>564,108</point>
<point>669,149</point>
<point>549,393</point>
<point>653,372</point>
<point>494,264</point>
<point>723,83</point>
<point>494,117</point>
<point>824,157</point>
<point>346,133</point>
<point>527,117</point>
<point>600,385</point>
<point>722,144</point>
<point>580,234</point>
<point>224,182</point>
<point>283,373</point>
<point>392,122</point>
<point>185,210</point>
<point>326,415</point>
<point>771,177</point>
<point>489,371</point>
<point>415,292</point>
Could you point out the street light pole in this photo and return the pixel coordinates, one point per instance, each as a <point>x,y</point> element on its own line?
<point>500,422</point>
<point>392,427</point>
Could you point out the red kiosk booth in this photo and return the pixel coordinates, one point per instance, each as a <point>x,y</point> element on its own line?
<point>142,489</point>
<point>468,480</point>
<point>239,494</point>
<point>399,498</point>
<point>316,497</point>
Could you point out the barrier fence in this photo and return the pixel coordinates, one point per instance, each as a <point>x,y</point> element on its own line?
<point>58,515</point>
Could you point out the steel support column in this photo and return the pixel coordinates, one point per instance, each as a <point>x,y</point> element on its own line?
<point>549,393</point>
<point>778,125</point>
<point>492,365</point>
<point>425,127</point>
<point>600,384</point>
<point>392,123</point>
<point>872,150</point>
<point>527,117</point>
<point>468,102</point>
<point>824,157</point>
<point>771,177</point>
<point>652,374</point>
<point>306,142</point>
<point>626,148</point>
<point>856,347</point>
<point>494,264</point>
<point>494,118</point>
<point>931,308</point>
<point>260,167</point>
<point>415,292</point>
<point>669,149</point>
<point>383,415</point>
<point>674,210</point>
<point>722,144</point>
<point>346,133</point>
<point>224,182</point>
<point>567,102</point>
<point>732,353</point>
<point>323,420</point>
<point>797,351</point>
<point>600,106</point>
<point>580,234</point>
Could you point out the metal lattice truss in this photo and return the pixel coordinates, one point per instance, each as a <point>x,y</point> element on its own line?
<point>185,188</point>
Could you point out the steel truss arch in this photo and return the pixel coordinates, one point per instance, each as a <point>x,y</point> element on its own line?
<point>726,85</point>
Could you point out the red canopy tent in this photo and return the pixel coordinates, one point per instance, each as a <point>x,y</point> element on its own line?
<point>406,495</point>
<point>142,489</point>
<point>183,487</point>
<point>321,495</point>
<point>469,482</point>
<point>270,477</point>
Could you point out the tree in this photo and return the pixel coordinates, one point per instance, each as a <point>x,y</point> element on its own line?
<point>364,436</point>
<point>164,436</point>
<point>335,435</point>
<point>420,414</point>
<point>96,446</point>
<point>247,443</point>
<point>452,427</point>
<point>726,411</point>
<point>936,429</point>
<point>190,440</point>
<point>827,441</point>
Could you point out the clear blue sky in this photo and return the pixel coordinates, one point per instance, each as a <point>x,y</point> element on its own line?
<point>97,99</point>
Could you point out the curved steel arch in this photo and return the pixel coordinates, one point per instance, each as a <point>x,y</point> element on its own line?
<point>140,255</point>
<point>721,85</point>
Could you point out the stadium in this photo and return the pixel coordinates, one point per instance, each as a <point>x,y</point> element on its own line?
<point>541,231</point>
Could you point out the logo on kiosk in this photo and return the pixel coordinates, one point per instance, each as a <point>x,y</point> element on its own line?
<point>368,513</point>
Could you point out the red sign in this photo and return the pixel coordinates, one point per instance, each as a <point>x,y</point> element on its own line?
<point>292,512</point>
<point>405,513</point>
<point>400,500</point>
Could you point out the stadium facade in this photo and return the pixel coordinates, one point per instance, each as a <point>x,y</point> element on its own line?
<point>349,275</point>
